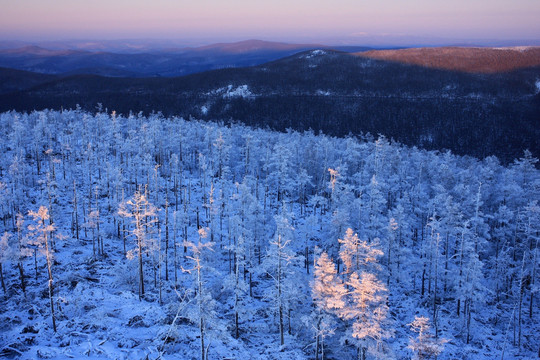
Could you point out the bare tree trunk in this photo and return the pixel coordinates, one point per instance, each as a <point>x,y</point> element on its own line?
<point>423,280</point>
<point>281,335</point>
<point>199,280</point>
<point>317,340</point>
<point>75,212</point>
<point>21,275</point>
<point>35,262</point>
<point>49,268</point>
<point>306,250</point>
<point>101,249</point>
<point>159,269</point>
<point>2,280</point>
<point>124,236</point>
<point>521,291</point>
<point>141,277</point>
<point>282,341</point>
<point>166,240</point>
<point>435,282</point>
<point>236,322</point>
<point>533,280</point>
<point>175,251</point>
<point>322,347</point>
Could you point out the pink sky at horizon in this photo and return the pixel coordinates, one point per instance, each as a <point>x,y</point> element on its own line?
<point>277,19</point>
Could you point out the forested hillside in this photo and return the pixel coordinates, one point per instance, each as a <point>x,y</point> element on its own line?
<point>322,90</point>
<point>134,237</point>
<point>468,59</point>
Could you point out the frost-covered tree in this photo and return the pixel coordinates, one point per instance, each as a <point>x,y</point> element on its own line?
<point>367,310</point>
<point>143,215</point>
<point>376,209</point>
<point>282,175</point>
<point>204,302</point>
<point>460,235</point>
<point>362,303</point>
<point>328,292</point>
<point>237,286</point>
<point>470,291</point>
<point>40,235</point>
<point>424,346</point>
<point>357,255</point>
<point>21,250</point>
<point>279,266</point>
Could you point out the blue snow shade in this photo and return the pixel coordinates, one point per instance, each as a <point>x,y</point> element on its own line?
<point>244,221</point>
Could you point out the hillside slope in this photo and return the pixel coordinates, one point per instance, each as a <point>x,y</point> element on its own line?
<point>329,91</point>
<point>470,59</point>
<point>16,80</point>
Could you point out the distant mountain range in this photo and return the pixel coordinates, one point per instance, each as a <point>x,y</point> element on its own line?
<point>165,62</point>
<point>491,113</point>
<point>144,61</point>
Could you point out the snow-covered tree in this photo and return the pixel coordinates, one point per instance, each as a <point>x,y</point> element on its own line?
<point>40,235</point>
<point>367,310</point>
<point>328,292</point>
<point>143,215</point>
<point>203,299</point>
<point>362,303</point>
<point>357,255</point>
<point>424,346</point>
<point>279,266</point>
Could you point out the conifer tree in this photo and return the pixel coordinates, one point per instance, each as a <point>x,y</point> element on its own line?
<point>40,233</point>
<point>143,215</point>
<point>278,264</point>
<point>328,292</point>
<point>368,310</point>
<point>358,255</point>
<point>204,302</point>
<point>425,346</point>
<point>22,250</point>
<point>363,302</point>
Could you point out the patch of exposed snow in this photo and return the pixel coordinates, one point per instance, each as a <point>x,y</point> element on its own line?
<point>537,84</point>
<point>230,91</point>
<point>474,96</point>
<point>322,92</point>
<point>515,48</point>
<point>450,88</point>
<point>204,109</point>
<point>314,53</point>
<point>240,91</point>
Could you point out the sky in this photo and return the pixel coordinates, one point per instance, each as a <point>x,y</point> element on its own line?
<point>283,20</point>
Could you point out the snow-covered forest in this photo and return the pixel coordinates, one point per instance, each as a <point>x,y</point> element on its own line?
<point>150,237</point>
